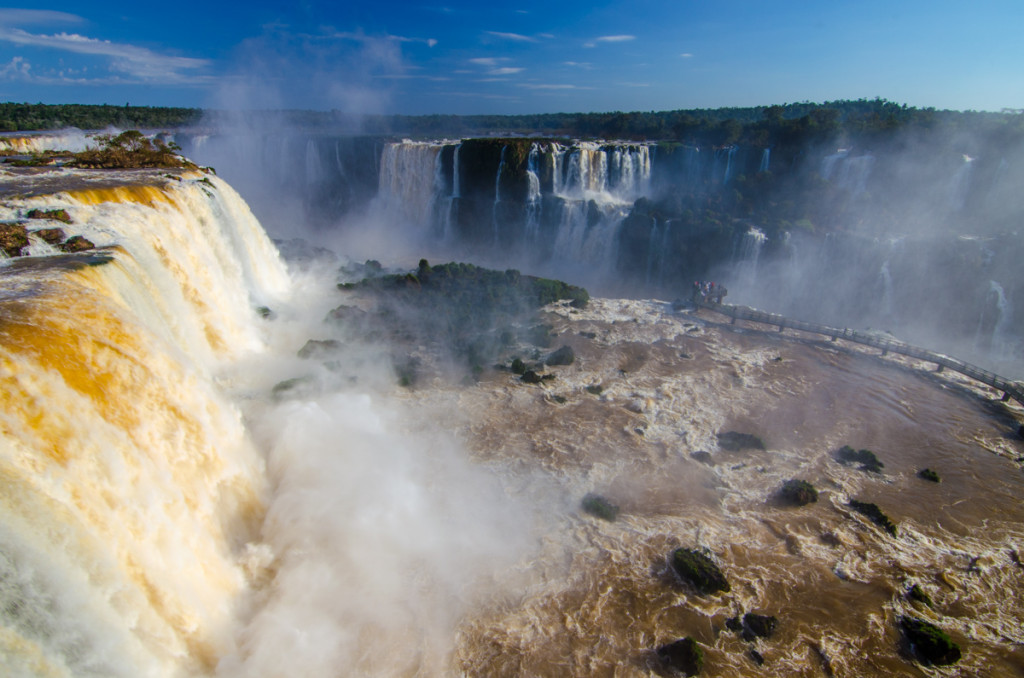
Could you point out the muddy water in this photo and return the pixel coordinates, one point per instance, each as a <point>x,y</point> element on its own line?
<point>597,598</point>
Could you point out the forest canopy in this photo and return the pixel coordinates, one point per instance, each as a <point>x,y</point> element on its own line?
<point>787,124</point>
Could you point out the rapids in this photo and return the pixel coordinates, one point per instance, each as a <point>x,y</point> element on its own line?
<point>165,514</point>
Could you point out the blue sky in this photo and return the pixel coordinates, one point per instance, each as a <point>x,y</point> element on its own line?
<point>526,57</point>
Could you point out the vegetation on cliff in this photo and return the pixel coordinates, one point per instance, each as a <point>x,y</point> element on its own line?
<point>130,150</point>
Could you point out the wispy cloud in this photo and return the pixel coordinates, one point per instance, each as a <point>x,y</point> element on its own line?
<point>133,61</point>
<point>488,61</point>
<point>23,17</point>
<point>578,64</point>
<point>516,37</point>
<point>505,71</point>
<point>686,55</point>
<point>363,37</point>
<point>609,38</point>
<point>551,86</point>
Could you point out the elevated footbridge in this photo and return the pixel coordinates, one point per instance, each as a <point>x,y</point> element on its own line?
<point>1010,388</point>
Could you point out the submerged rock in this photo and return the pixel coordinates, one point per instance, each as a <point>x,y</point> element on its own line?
<point>596,505</point>
<point>317,348</point>
<point>699,571</point>
<point>798,492</point>
<point>930,644</point>
<point>703,457</point>
<point>928,474</point>
<point>733,441</point>
<point>684,655</point>
<point>917,594</point>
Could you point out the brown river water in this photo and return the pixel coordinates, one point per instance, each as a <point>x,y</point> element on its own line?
<point>599,596</point>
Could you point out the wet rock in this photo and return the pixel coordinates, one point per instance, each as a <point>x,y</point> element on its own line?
<point>531,377</point>
<point>518,366</point>
<point>699,571</point>
<point>294,388</point>
<point>598,506</point>
<point>77,243</point>
<point>595,389</point>
<point>51,236</point>
<point>734,441</point>
<point>734,624</point>
<point>930,644</point>
<point>756,657</point>
<point>563,356</point>
<point>703,457</point>
<point>265,312</point>
<point>798,492</point>
<point>317,349</point>
<point>866,458</point>
<point>684,656</point>
<point>56,215</point>
<point>13,237</point>
<point>758,626</point>
<point>928,474</point>
<point>874,514</point>
<point>345,315</point>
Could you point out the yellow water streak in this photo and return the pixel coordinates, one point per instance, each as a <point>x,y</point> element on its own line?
<point>141,194</point>
<point>113,449</point>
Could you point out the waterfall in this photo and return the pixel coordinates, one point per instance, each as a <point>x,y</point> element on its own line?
<point>766,155</point>
<point>497,197</point>
<point>408,186</point>
<point>130,484</point>
<point>747,259</point>
<point>533,203</point>
<point>960,184</point>
<point>887,298</point>
<point>1001,339</point>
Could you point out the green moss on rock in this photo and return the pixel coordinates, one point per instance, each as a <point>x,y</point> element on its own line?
<point>930,644</point>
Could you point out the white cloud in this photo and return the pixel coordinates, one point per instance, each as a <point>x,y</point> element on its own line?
<point>505,71</point>
<point>686,55</point>
<point>511,36</point>
<point>609,38</point>
<point>578,64</point>
<point>137,62</point>
<point>16,69</point>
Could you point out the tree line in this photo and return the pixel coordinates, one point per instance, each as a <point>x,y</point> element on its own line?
<point>791,124</point>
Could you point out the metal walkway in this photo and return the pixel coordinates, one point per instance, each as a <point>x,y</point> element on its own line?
<point>1010,388</point>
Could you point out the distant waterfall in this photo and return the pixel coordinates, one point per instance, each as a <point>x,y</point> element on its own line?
<point>960,184</point>
<point>766,155</point>
<point>533,204</point>
<point>409,181</point>
<point>748,257</point>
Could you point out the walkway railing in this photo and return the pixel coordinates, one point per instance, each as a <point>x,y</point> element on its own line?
<point>1010,389</point>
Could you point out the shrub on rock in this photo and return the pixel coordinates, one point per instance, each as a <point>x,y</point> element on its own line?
<point>77,243</point>
<point>866,458</point>
<point>928,474</point>
<point>699,571</point>
<point>685,656</point>
<point>874,514</point>
<point>13,237</point>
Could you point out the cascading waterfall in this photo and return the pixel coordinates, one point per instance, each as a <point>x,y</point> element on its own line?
<point>766,156</point>
<point>1001,340</point>
<point>130,486</point>
<point>748,257</point>
<point>497,196</point>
